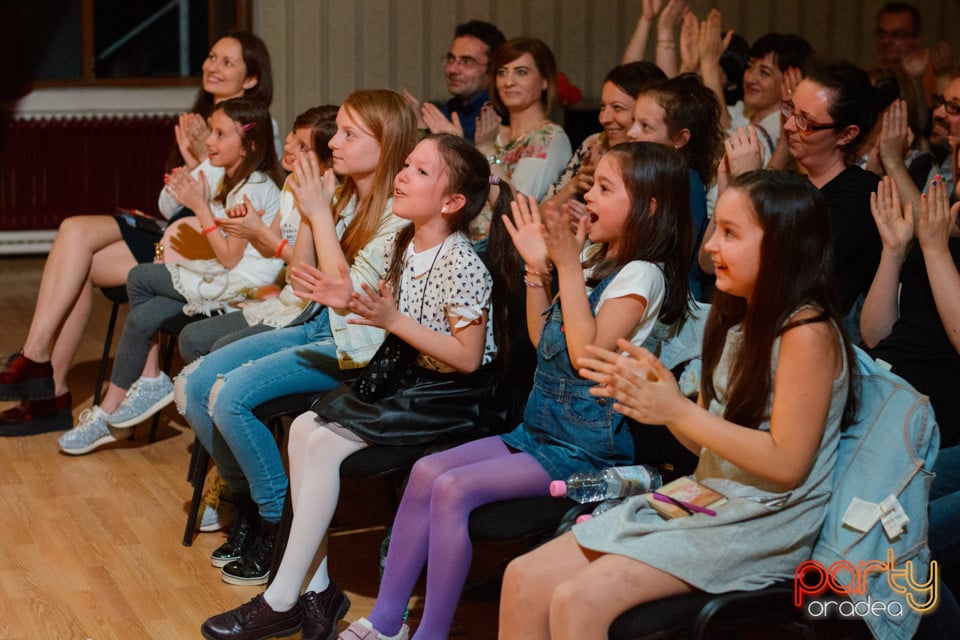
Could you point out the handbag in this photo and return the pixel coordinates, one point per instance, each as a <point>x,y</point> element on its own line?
<point>382,374</point>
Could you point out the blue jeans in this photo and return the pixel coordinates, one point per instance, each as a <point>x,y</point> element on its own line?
<point>252,371</point>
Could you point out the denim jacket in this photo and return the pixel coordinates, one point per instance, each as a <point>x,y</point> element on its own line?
<point>889,449</point>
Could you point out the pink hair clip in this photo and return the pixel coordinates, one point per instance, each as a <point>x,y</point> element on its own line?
<point>494,179</point>
<point>248,126</point>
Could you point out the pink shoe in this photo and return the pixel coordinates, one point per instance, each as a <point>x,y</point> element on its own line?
<point>363,630</point>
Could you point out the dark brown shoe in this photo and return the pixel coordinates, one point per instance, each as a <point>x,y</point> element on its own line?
<point>31,417</point>
<point>22,378</point>
<point>254,620</point>
<point>322,611</point>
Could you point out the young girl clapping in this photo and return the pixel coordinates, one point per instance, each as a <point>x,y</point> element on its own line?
<point>436,297</point>
<point>241,163</point>
<point>775,389</point>
<point>635,272</point>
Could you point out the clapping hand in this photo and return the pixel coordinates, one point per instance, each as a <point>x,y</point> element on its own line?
<point>242,221</point>
<point>375,308</point>
<point>938,220</point>
<point>433,117</point>
<point>191,192</point>
<point>644,389</point>
<point>312,284</point>
<point>313,192</point>
<point>895,224</point>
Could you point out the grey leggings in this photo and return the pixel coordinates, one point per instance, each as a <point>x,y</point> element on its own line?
<point>200,338</point>
<point>153,299</point>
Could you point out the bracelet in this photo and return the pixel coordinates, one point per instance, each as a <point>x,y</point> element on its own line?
<point>280,247</point>
<point>213,227</point>
<point>546,274</point>
<point>532,284</point>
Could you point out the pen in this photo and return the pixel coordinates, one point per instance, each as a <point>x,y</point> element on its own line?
<point>689,507</point>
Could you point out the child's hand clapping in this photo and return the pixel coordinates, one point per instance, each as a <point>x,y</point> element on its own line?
<point>643,387</point>
<point>375,308</point>
<point>242,221</point>
<point>527,232</point>
<point>564,241</point>
<point>314,192</point>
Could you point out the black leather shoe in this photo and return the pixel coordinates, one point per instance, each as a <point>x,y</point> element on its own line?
<point>243,531</point>
<point>321,611</point>
<point>254,566</point>
<point>253,621</point>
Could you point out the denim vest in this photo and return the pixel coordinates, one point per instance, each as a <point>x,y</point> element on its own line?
<point>889,449</point>
<point>564,427</point>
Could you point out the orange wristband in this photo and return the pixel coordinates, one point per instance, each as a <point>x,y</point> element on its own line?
<point>211,228</point>
<point>280,247</point>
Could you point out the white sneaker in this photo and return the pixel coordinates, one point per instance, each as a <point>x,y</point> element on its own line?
<point>144,398</point>
<point>90,433</point>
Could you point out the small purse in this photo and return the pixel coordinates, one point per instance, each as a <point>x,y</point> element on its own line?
<point>382,374</point>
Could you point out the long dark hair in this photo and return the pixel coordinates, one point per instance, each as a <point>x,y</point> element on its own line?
<point>468,173</point>
<point>256,58</point>
<point>797,242</point>
<point>663,234</point>
<point>256,133</point>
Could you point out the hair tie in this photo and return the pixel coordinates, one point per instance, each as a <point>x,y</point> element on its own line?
<point>494,178</point>
<point>248,126</point>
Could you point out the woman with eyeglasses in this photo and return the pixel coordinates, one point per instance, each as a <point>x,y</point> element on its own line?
<point>826,118</point>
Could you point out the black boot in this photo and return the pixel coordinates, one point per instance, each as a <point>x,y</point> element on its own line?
<point>254,567</point>
<point>243,531</point>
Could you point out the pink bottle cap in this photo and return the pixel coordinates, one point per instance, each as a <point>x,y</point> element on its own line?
<point>558,488</point>
<point>583,518</point>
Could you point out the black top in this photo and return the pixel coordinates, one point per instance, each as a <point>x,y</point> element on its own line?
<point>918,347</point>
<point>857,242</point>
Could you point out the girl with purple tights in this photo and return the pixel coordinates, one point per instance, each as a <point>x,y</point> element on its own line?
<point>635,271</point>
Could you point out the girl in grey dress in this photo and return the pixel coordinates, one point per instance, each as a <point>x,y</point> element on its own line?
<point>774,394</point>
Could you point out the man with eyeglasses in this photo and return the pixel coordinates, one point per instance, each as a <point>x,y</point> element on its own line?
<point>898,32</point>
<point>467,69</point>
<point>945,132</point>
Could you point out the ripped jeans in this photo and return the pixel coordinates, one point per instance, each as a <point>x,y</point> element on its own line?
<point>241,376</point>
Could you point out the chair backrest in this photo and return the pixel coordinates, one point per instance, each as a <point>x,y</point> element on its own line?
<point>890,449</point>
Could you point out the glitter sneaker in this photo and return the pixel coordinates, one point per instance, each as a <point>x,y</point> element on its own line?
<point>90,433</point>
<point>144,398</point>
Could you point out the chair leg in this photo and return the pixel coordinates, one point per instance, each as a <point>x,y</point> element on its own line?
<point>166,362</point>
<point>107,343</point>
<point>199,461</point>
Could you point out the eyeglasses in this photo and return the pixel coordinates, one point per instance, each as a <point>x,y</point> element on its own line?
<point>466,62</point>
<point>896,34</point>
<point>804,124</point>
<point>951,107</point>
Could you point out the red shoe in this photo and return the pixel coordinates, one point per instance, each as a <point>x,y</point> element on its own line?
<point>31,417</point>
<point>23,378</point>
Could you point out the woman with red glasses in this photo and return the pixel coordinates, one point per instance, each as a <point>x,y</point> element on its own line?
<point>826,118</point>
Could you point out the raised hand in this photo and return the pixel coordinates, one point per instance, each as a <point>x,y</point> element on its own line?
<point>894,141</point>
<point>312,284</point>
<point>313,192</point>
<point>527,232</point>
<point>743,151</point>
<point>414,103</point>
<point>191,192</point>
<point>433,117</point>
<point>690,43</point>
<point>564,241</point>
<point>488,127</point>
<point>574,210</point>
<point>191,132</point>
<point>712,41</point>
<point>375,308</point>
<point>895,224</point>
<point>938,220</point>
<point>650,9</point>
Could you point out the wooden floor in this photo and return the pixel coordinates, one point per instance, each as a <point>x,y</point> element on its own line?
<point>90,546</point>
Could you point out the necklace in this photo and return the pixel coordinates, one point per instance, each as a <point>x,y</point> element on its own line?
<point>515,138</point>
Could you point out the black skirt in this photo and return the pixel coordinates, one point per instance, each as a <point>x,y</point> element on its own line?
<point>429,406</point>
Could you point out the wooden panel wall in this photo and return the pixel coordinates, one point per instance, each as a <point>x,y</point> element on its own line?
<point>324,49</point>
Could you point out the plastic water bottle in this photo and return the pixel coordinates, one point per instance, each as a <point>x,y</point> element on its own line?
<point>615,482</point>
<point>603,507</point>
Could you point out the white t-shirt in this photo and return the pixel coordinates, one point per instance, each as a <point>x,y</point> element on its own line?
<point>638,278</point>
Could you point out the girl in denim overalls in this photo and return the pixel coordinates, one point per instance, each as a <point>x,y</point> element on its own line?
<point>635,272</point>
